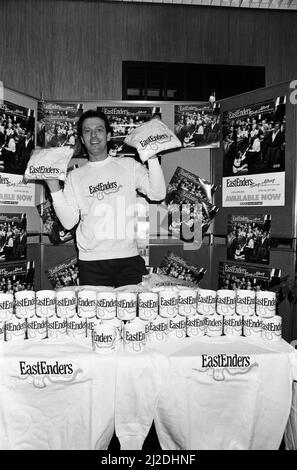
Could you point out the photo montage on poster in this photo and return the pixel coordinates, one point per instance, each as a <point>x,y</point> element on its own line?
<point>64,274</point>
<point>238,276</point>
<point>57,125</point>
<point>254,154</point>
<point>190,210</point>
<point>13,237</point>
<point>16,276</point>
<point>123,120</point>
<point>249,238</point>
<point>197,126</point>
<point>17,125</point>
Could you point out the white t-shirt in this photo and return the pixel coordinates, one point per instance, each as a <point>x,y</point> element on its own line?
<point>101,196</point>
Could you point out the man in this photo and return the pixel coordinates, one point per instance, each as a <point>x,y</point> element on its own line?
<point>101,198</point>
<point>275,142</point>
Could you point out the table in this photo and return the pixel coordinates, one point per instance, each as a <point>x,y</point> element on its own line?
<point>192,408</point>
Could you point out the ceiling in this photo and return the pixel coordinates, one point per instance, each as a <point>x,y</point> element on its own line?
<point>268,4</point>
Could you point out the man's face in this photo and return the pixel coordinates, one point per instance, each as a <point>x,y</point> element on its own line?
<point>95,137</point>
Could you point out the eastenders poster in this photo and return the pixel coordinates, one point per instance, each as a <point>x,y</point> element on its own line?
<point>123,120</point>
<point>254,155</point>
<point>239,276</point>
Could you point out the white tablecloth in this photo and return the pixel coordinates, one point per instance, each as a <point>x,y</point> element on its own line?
<point>210,408</point>
<point>43,412</point>
<point>193,408</point>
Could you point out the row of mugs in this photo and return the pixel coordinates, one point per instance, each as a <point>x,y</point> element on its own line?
<point>135,333</point>
<point>167,302</point>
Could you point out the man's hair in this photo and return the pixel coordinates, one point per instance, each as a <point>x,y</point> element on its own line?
<point>93,113</point>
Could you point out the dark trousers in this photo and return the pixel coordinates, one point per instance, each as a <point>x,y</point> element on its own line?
<point>112,272</point>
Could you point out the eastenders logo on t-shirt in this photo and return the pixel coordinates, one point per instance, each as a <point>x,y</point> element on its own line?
<point>44,169</point>
<point>100,187</point>
<point>154,138</point>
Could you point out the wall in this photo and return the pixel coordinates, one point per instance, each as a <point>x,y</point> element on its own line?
<point>74,49</point>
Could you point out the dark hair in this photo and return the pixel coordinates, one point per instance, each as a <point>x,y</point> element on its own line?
<point>93,113</point>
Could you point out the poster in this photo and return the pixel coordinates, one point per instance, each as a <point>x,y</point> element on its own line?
<point>123,119</point>
<point>240,276</point>
<point>57,124</point>
<point>254,155</point>
<point>51,225</point>
<point>249,238</point>
<point>17,126</point>
<point>179,268</point>
<point>197,126</point>
<point>16,192</point>
<point>64,274</point>
<point>186,188</point>
<point>13,237</point>
<point>16,276</point>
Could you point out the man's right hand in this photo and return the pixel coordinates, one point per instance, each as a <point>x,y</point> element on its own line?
<point>54,185</point>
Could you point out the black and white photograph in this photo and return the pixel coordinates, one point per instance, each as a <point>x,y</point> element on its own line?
<point>64,274</point>
<point>13,237</point>
<point>123,120</point>
<point>187,188</point>
<point>161,262</point>
<point>17,130</point>
<point>179,268</point>
<point>57,124</point>
<point>17,276</point>
<point>241,276</point>
<point>249,238</point>
<point>254,138</point>
<point>197,126</point>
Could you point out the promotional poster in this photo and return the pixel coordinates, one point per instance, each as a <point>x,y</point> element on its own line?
<point>64,274</point>
<point>13,237</point>
<point>179,268</point>
<point>57,124</point>
<point>197,126</point>
<point>16,276</point>
<point>123,119</point>
<point>254,141</point>
<point>17,125</point>
<point>186,188</point>
<point>249,238</point>
<point>14,191</point>
<point>240,276</point>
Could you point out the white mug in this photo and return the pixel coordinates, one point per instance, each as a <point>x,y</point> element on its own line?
<point>126,305</point>
<point>66,303</point>
<point>177,327</point>
<point>36,329</point>
<point>226,302</point>
<point>213,325</point>
<point>168,303</point>
<point>104,337</point>
<point>206,301</point>
<point>25,303</point>
<point>272,328</point>
<point>187,302</point>
<point>134,336</point>
<point>158,329</point>
<point>15,329</point>
<point>77,328</point>
<point>232,325</point>
<point>56,327</point>
<point>252,326</point>
<point>6,306</point>
<point>106,305</point>
<point>265,304</point>
<point>86,303</point>
<point>195,325</point>
<point>245,302</point>
<point>148,303</point>
<point>45,303</point>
